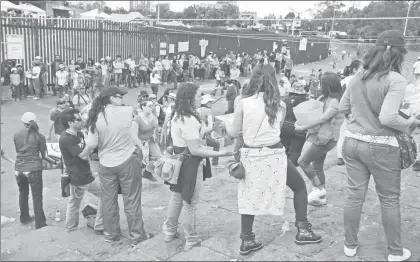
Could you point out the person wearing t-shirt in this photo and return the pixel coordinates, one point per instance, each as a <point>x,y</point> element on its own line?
<point>206,116</point>
<point>61,78</point>
<point>234,76</point>
<point>75,155</point>
<point>288,66</point>
<point>55,119</point>
<point>144,126</point>
<point>118,66</point>
<point>231,94</point>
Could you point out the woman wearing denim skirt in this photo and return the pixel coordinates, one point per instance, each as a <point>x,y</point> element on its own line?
<point>185,133</point>
<point>374,97</point>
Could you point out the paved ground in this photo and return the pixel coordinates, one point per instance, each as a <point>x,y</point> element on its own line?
<point>219,221</point>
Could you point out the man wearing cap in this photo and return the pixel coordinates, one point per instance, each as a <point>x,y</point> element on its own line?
<point>109,130</point>
<point>206,116</point>
<point>288,66</point>
<point>416,70</point>
<point>55,118</point>
<point>42,75</point>
<point>61,77</point>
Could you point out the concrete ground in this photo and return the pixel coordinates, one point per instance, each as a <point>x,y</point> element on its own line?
<point>219,221</point>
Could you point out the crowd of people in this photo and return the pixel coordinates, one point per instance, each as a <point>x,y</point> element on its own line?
<point>108,147</point>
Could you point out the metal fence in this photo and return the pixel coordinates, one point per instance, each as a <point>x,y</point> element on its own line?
<point>96,39</point>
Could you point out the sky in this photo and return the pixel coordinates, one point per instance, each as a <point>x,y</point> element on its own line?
<point>262,8</point>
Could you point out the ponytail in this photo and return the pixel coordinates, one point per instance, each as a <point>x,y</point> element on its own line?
<point>98,106</point>
<point>33,129</point>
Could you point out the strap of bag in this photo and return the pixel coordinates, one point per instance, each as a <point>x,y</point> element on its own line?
<point>365,97</point>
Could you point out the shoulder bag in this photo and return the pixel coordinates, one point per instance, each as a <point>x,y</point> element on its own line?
<point>407,145</point>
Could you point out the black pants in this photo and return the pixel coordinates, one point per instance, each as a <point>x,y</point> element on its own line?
<point>300,201</point>
<point>34,179</point>
<point>293,142</point>
<point>142,77</point>
<point>287,73</point>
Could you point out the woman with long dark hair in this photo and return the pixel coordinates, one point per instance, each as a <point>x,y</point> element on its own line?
<point>323,139</point>
<point>352,69</point>
<point>31,148</point>
<point>374,97</point>
<point>259,115</point>
<point>186,138</point>
<point>109,130</point>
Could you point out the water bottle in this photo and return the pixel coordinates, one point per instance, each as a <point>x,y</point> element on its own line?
<point>57,216</point>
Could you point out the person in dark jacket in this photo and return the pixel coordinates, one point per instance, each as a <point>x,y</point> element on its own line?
<point>231,94</point>
<point>292,140</point>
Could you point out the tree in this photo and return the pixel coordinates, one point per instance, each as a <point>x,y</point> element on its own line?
<point>290,15</point>
<point>107,10</point>
<point>269,22</point>
<point>121,10</point>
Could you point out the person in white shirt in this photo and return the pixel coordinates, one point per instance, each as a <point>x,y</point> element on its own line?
<point>416,70</point>
<point>61,78</point>
<point>35,83</point>
<point>131,81</point>
<point>166,64</point>
<point>118,68</point>
<point>155,81</point>
<point>234,76</point>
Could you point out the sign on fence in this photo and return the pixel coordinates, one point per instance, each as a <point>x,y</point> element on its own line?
<point>15,47</point>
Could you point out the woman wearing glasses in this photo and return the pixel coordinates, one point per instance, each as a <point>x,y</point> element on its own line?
<point>144,126</point>
<point>109,126</point>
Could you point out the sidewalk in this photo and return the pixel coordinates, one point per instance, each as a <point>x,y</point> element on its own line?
<point>219,227</point>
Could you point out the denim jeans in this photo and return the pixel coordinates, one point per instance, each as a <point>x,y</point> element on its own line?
<point>128,175</point>
<point>383,162</point>
<point>340,141</point>
<point>73,207</point>
<point>312,160</point>
<point>176,203</point>
<point>34,179</point>
<point>36,87</point>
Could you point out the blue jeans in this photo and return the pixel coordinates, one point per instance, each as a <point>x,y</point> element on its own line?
<point>383,162</point>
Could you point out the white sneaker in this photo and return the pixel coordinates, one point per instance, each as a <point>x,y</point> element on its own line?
<point>350,252</point>
<point>405,256</point>
<point>316,194</point>
<point>321,201</point>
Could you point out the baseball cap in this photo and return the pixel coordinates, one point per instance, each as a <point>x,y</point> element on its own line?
<point>152,96</point>
<point>206,98</point>
<point>62,100</point>
<point>390,38</point>
<point>13,69</point>
<point>28,117</point>
<point>61,66</point>
<point>38,57</point>
<point>112,91</point>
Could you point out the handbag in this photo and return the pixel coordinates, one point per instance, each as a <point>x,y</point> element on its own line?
<point>407,145</point>
<point>169,166</point>
<point>235,167</point>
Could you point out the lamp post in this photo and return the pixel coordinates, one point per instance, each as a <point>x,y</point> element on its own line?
<point>406,19</point>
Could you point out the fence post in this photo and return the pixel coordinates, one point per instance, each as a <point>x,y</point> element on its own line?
<point>36,30</point>
<point>100,39</point>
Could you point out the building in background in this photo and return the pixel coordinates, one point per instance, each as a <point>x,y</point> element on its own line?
<point>52,8</point>
<point>136,5</point>
<point>235,3</point>
<point>249,18</point>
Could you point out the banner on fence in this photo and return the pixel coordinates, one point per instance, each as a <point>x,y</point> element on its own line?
<point>15,46</point>
<point>171,48</point>
<point>302,45</point>
<point>183,46</point>
<point>162,45</point>
<point>203,44</point>
<point>162,52</point>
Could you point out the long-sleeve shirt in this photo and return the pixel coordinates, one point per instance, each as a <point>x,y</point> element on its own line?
<point>234,73</point>
<point>385,96</point>
<point>15,79</point>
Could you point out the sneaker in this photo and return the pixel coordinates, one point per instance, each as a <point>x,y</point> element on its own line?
<point>405,256</point>
<point>141,239</point>
<point>416,166</point>
<point>170,238</point>
<point>111,239</point>
<point>149,176</point>
<point>189,247</point>
<point>316,193</point>
<point>350,252</point>
<point>340,162</point>
<point>318,201</point>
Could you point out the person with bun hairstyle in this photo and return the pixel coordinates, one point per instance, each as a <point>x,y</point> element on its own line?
<point>31,149</point>
<point>374,97</point>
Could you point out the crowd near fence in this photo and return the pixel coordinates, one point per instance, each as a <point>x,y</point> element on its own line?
<point>96,39</point>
